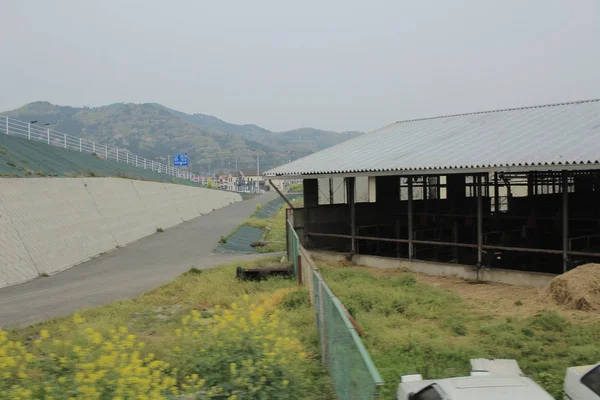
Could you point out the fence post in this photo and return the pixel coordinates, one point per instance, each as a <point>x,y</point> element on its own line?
<point>106,152</point>
<point>117,155</point>
<point>6,125</point>
<point>322,321</point>
<point>48,131</point>
<point>65,139</point>
<point>287,233</point>
<point>93,147</point>
<point>299,269</point>
<point>80,146</point>
<point>127,158</point>
<point>29,130</point>
<point>144,163</point>
<point>136,163</point>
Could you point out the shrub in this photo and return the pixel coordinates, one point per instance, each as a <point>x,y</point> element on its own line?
<point>243,351</point>
<point>90,366</point>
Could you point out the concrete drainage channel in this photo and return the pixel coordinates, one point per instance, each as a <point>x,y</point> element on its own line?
<point>240,241</point>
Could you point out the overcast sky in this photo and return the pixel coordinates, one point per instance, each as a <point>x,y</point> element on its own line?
<point>339,65</point>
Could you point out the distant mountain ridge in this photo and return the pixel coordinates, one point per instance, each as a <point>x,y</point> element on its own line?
<point>155,131</point>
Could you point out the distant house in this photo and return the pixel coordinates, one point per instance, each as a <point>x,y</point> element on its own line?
<point>249,182</point>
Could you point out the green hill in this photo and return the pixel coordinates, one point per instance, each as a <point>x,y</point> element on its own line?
<point>155,131</point>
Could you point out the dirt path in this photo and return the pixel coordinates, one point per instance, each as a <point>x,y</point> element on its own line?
<point>128,271</point>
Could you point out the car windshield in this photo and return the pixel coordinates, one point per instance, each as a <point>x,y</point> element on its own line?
<point>592,380</point>
<point>429,393</point>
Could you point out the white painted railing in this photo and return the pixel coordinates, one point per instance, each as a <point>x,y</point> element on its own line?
<point>51,137</point>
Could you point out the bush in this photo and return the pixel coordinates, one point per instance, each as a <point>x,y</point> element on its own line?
<point>243,351</point>
<point>90,366</point>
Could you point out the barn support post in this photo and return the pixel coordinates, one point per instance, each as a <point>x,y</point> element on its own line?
<point>479,222</point>
<point>496,194</point>
<point>565,220</point>
<point>311,200</point>
<point>330,190</point>
<point>410,217</point>
<point>350,193</point>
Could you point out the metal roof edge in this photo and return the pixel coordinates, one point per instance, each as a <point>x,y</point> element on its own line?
<point>446,170</point>
<point>491,111</point>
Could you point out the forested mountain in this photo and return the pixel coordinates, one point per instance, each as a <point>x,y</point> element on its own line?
<point>155,131</point>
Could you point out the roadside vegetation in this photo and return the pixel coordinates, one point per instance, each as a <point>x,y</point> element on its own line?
<point>273,228</point>
<point>204,335</point>
<point>434,326</point>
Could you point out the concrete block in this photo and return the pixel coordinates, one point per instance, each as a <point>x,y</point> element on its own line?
<point>15,264</point>
<point>123,211</point>
<point>158,202</point>
<point>57,221</point>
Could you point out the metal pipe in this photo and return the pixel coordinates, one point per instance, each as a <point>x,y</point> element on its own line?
<point>565,220</point>
<point>281,194</point>
<point>467,245</point>
<point>479,223</point>
<point>410,218</point>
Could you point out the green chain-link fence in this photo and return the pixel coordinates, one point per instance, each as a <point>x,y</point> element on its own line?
<point>354,375</point>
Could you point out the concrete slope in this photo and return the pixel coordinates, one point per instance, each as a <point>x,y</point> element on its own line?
<point>128,271</point>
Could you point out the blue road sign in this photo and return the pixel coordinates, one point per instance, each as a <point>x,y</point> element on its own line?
<point>180,160</point>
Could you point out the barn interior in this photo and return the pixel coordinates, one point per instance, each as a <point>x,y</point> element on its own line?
<point>532,220</point>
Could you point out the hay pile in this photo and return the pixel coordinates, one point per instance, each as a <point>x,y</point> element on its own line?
<point>578,289</point>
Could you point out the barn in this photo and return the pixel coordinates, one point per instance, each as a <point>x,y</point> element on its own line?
<point>509,195</point>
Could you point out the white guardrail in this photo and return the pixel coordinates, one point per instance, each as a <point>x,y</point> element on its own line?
<point>51,137</point>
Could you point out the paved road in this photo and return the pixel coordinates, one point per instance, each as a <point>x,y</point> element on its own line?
<point>128,271</point>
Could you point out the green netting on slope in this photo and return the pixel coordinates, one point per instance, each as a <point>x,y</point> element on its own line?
<point>18,155</point>
<point>270,209</point>
<point>240,240</point>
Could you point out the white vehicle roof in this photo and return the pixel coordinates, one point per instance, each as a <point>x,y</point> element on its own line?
<point>485,387</point>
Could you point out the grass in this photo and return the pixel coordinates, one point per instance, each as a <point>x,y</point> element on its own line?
<point>156,315</point>
<point>159,230</point>
<point>273,228</point>
<point>414,327</point>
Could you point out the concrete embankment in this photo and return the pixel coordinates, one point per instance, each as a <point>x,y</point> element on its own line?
<point>50,224</point>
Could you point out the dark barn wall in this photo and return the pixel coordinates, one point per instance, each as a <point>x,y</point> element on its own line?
<point>531,216</point>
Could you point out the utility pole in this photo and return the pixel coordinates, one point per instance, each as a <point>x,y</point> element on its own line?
<point>257,172</point>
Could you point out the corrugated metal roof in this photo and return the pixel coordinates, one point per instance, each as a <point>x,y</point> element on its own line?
<point>554,134</point>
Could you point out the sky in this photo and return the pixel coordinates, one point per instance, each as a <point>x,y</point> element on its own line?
<point>336,65</point>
